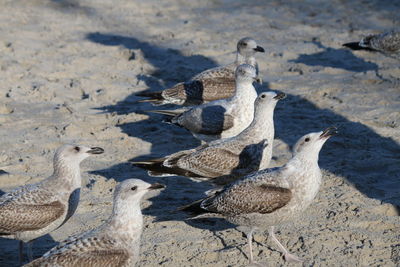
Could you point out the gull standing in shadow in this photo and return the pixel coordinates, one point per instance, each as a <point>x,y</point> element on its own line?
<point>225,160</point>
<point>220,118</point>
<point>212,84</point>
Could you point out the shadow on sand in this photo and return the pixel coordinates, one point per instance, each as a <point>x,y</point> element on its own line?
<point>335,58</point>
<point>9,253</point>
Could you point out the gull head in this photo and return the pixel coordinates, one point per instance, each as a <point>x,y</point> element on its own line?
<point>248,47</point>
<point>312,143</point>
<point>246,72</point>
<point>269,99</point>
<point>75,153</point>
<point>132,190</point>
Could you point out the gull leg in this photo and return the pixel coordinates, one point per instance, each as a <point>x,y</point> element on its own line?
<point>21,252</point>
<point>288,257</point>
<point>250,244</point>
<point>30,254</point>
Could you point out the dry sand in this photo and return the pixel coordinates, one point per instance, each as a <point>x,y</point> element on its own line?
<point>69,71</point>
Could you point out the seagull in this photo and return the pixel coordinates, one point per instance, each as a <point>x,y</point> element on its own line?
<point>115,243</point>
<point>232,157</point>
<point>271,196</point>
<point>34,210</point>
<point>212,84</point>
<point>220,118</point>
<point>388,42</point>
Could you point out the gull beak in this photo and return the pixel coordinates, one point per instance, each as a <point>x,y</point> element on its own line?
<point>328,132</point>
<point>280,96</point>
<point>156,186</point>
<point>259,49</point>
<point>95,150</point>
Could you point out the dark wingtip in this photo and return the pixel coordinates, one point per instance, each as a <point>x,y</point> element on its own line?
<point>356,46</point>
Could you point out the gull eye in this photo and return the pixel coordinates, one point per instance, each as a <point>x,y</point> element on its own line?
<point>307,139</point>
<point>133,188</point>
<point>77,148</point>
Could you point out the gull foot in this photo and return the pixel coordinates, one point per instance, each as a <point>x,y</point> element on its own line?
<point>292,258</point>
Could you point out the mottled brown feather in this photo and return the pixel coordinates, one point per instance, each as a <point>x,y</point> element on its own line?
<point>227,71</point>
<point>30,217</point>
<point>243,199</point>
<point>199,91</point>
<point>96,258</point>
<point>80,251</point>
<point>210,162</point>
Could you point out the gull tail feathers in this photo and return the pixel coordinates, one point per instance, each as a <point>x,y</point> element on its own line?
<point>155,98</point>
<point>156,167</point>
<point>154,102</point>
<point>358,46</point>
<point>196,211</point>
<point>152,95</point>
<point>171,113</point>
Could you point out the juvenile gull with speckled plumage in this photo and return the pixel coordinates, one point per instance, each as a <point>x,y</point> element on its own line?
<point>225,160</point>
<point>271,196</point>
<point>34,210</point>
<point>220,118</point>
<point>388,42</point>
<point>209,85</point>
<point>115,243</point>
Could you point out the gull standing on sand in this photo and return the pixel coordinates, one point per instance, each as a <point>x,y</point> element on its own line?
<point>212,84</point>
<point>232,157</point>
<point>115,243</point>
<point>271,196</point>
<point>220,118</point>
<point>388,42</point>
<point>34,210</point>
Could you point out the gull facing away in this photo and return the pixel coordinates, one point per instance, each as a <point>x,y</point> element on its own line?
<point>388,42</point>
<point>220,118</point>
<point>232,157</point>
<point>271,196</point>
<point>34,210</point>
<point>209,85</point>
<point>115,243</point>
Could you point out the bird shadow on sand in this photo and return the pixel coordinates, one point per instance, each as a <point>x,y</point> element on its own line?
<point>335,58</point>
<point>9,253</point>
<point>171,66</point>
<point>360,155</point>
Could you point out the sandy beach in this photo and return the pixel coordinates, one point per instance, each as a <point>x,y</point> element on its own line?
<point>69,73</point>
